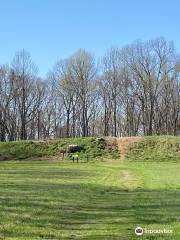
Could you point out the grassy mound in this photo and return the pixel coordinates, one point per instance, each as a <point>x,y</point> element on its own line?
<point>155,148</point>
<point>91,148</point>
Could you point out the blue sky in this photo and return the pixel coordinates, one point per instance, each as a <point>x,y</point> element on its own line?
<point>55,29</point>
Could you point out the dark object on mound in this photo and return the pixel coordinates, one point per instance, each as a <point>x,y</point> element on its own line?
<point>99,139</point>
<point>74,148</point>
<point>3,158</point>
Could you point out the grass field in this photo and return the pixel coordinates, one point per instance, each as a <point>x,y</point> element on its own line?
<point>94,200</point>
<point>52,200</point>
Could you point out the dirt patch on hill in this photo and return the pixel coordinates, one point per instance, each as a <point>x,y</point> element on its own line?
<point>6,157</point>
<point>122,143</point>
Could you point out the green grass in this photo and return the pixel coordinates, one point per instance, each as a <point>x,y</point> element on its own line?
<point>156,148</point>
<point>92,148</point>
<point>101,200</point>
<point>91,200</point>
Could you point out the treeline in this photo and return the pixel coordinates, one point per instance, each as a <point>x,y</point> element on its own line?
<point>131,91</point>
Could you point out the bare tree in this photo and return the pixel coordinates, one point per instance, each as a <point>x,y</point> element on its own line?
<point>135,92</point>
<point>150,63</point>
<point>83,72</point>
<point>24,71</point>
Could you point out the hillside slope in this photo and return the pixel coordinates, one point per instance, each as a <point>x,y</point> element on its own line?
<point>90,147</point>
<point>122,143</point>
<point>155,148</point>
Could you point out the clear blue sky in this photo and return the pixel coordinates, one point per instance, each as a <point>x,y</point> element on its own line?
<point>55,29</point>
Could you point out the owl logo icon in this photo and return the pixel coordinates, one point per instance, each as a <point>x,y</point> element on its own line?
<point>139,231</point>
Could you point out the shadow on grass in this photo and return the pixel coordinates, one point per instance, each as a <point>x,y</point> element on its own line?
<point>69,173</point>
<point>81,211</point>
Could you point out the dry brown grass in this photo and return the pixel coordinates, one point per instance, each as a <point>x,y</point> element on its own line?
<point>123,143</point>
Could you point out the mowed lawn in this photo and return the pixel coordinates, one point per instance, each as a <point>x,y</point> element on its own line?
<point>100,200</point>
